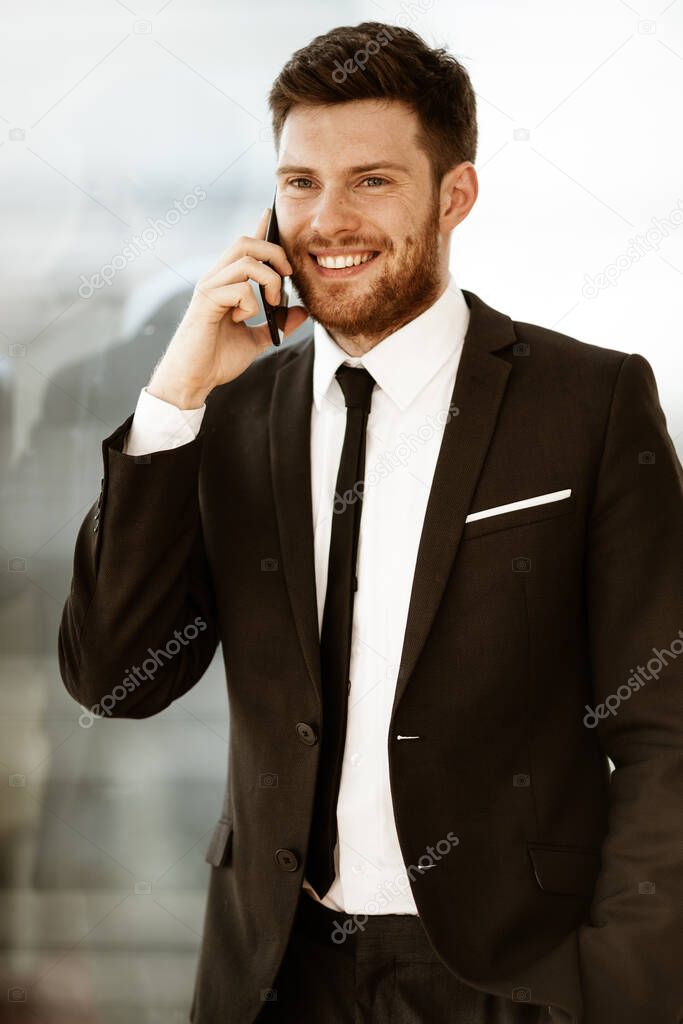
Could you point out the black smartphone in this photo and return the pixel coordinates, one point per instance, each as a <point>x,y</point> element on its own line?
<point>273,235</point>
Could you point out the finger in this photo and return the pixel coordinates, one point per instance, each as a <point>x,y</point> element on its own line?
<point>262,226</point>
<point>231,296</point>
<point>245,269</point>
<point>239,249</point>
<point>267,252</point>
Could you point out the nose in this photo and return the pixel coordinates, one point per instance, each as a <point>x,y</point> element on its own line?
<point>334,213</point>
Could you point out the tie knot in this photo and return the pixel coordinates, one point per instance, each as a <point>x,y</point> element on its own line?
<point>357,385</point>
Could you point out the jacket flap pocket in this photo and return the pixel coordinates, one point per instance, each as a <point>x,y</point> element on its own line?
<point>220,845</point>
<point>565,869</point>
<point>519,517</point>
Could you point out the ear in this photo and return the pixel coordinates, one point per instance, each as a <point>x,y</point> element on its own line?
<point>457,195</point>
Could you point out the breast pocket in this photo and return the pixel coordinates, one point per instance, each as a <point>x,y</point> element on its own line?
<point>519,517</point>
<point>220,847</point>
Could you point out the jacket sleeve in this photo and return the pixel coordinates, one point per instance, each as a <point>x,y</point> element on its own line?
<point>138,628</point>
<point>631,951</point>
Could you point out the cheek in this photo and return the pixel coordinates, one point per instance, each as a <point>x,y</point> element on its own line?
<point>297,247</point>
<point>292,224</point>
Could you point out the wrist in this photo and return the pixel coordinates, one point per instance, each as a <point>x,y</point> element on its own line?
<point>182,395</point>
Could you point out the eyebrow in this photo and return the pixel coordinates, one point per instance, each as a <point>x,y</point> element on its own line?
<point>358,169</point>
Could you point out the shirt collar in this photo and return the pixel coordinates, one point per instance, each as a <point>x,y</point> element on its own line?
<point>405,361</point>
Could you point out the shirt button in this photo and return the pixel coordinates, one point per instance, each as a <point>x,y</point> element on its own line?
<point>356,759</point>
<point>358,868</point>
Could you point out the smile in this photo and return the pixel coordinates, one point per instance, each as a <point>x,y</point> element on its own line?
<point>342,264</point>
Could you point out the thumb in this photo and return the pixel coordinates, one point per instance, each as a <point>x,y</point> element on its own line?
<point>291,318</point>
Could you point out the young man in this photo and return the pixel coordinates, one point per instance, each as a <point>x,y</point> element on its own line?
<point>439,549</point>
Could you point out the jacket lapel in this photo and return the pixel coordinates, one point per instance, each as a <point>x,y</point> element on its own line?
<point>477,395</point>
<point>290,460</point>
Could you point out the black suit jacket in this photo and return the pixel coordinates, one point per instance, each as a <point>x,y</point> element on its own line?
<point>564,885</point>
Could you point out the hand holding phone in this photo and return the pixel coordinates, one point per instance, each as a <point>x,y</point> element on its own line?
<point>212,344</point>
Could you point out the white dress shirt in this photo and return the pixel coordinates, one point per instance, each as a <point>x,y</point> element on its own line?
<point>414,369</point>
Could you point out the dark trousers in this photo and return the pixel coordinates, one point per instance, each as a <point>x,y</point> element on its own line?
<point>341,969</point>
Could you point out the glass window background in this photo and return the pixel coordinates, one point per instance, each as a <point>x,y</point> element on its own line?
<point>134,147</point>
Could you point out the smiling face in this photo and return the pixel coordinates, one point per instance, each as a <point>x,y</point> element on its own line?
<point>360,218</point>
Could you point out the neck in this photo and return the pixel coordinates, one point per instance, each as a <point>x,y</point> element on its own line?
<point>359,344</point>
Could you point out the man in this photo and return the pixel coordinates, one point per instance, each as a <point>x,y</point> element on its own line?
<point>443,554</point>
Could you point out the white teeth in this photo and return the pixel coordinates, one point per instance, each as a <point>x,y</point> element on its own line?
<point>338,262</point>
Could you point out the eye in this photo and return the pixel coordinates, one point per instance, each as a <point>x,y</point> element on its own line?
<point>292,181</point>
<point>382,181</point>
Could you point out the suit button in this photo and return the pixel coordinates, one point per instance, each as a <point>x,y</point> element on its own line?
<point>306,734</point>
<point>286,859</point>
<point>94,529</point>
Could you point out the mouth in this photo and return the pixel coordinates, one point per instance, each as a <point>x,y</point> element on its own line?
<point>342,264</point>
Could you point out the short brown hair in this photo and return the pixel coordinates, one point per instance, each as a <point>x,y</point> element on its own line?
<point>377,61</point>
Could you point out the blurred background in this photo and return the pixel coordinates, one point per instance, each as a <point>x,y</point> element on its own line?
<point>134,147</point>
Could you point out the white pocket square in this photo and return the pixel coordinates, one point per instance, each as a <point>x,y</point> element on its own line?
<point>513,506</point>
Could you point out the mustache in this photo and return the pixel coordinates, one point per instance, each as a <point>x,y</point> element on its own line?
<point>354,242</point>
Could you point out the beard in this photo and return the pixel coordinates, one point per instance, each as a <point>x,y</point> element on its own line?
<point>408,283</point>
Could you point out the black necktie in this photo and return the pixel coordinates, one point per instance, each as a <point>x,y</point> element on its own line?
<point>335,636</point>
